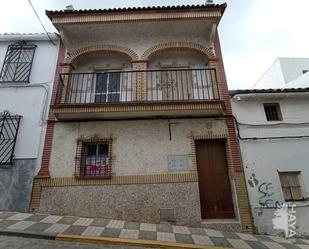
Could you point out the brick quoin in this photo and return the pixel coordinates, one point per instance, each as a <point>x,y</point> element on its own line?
<point>225,95</point>
<point>44,170</point>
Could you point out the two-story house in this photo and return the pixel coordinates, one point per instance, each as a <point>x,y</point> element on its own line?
<point>273,135</point>
<point>140,124</point>
<point>27,64</point>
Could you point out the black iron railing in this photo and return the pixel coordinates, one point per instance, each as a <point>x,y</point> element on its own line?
<point>9,125</point>
<point>138,86</point>
<point>18,62</point>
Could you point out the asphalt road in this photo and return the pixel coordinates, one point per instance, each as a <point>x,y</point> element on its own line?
<point>9,242</point>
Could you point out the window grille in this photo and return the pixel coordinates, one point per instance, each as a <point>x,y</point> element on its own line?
<point>9,125</point>
<point>18,63</point>
<point>93,159</point>
<point>272,112</point>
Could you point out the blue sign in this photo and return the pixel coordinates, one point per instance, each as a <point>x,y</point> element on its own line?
<point>177,162</point>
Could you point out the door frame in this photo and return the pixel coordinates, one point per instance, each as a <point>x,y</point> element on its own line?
<point>230,168</point>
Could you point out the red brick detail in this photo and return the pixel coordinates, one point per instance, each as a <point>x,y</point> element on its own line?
<point>44,170</point>
<point>178,46</point>
<point>225,95</point>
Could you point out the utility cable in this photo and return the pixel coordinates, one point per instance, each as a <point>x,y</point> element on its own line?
<point>50,39</point>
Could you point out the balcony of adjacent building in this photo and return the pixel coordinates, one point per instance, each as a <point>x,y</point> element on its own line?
<point>111,86</point>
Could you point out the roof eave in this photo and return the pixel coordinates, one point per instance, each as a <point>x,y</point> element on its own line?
<point>233,93</point>
<point>220,7</point>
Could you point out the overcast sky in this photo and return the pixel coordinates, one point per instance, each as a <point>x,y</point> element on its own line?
<point>253,32</point>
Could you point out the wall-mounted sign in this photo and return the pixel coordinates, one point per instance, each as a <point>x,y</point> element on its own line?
<point>177,162</point>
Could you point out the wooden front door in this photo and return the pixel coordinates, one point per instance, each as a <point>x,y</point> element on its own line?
<point>214,184</point>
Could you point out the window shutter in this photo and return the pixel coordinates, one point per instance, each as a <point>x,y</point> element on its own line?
<point>291,186</point>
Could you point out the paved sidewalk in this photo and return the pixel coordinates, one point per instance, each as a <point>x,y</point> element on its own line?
<point>11,242</point>
<point>53,225</point>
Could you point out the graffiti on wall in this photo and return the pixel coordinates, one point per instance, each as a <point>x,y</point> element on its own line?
<point>265,192</point>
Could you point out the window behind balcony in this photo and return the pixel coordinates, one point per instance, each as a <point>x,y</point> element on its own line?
<point>18,62</point>
<point>107,87</point>
<point>176,83</point>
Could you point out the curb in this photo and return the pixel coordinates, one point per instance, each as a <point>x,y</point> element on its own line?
<point>132,242</point>
<point>26,234</point>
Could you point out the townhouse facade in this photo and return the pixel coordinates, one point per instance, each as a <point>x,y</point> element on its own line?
<point>27,63</point>
<point>273,132</point>
<point>140,124</point>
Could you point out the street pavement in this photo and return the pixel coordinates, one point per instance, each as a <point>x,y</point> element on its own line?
<point>54,225</point>
<point>10,242</point>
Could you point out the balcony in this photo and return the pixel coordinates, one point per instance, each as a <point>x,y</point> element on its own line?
<point>138,94</point>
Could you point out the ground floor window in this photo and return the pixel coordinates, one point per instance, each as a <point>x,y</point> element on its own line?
<point>94,159</point>
<point>291,187</point>
<point>9,126</point>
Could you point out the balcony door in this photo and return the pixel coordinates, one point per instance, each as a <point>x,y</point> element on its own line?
<point>176,83</point>
<point>107,87</point>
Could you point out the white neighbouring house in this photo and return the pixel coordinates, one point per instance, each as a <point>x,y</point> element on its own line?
<point>285,73</point>
<point>273,133</point>
<point>27,64</point>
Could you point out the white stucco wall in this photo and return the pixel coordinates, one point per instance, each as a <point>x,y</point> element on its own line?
<point>31,100</point>
<point>272,77</point>
<point>262,159</point>
<point>293,67</point>
<point>139,147</point>
<point>283,72</point>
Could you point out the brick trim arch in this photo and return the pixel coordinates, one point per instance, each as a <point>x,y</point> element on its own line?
<point>178,46</point>
<point>74,55</point>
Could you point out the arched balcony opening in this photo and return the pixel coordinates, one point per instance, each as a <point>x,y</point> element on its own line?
<point>180,75</point>
<point>99,78</point>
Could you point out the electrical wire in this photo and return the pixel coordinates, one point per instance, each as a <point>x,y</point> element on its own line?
<point>50,39</point>
<point>43,85</point>
<point>262,138</point>
<point>273,125</point>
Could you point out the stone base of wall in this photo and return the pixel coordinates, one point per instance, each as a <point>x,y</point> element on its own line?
<point>16,185</point>
<point>134,202</point>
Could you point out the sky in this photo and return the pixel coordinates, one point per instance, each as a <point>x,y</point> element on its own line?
<point>253,33</point>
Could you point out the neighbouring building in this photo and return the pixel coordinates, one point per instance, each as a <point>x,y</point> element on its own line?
<point>140,124</point>
<point>27,64</point>
<point>273,133</point>
<point>286,73</point>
